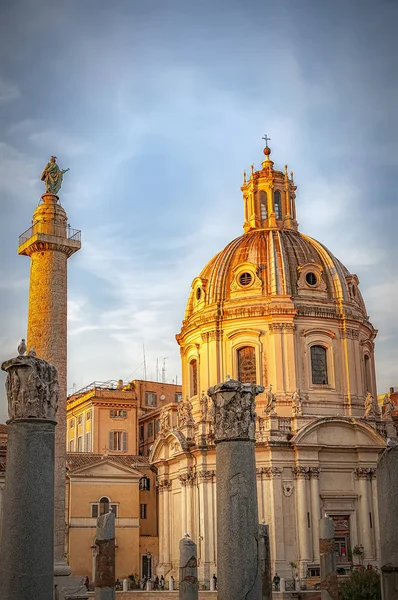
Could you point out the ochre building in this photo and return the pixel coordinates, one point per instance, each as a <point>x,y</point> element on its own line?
<point>275,307</point>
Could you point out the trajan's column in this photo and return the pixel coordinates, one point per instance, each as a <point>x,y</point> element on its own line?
<point>49,242</point>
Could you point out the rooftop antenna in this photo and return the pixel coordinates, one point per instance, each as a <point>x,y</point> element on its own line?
<point>143,349</point>
<point>164,370</point>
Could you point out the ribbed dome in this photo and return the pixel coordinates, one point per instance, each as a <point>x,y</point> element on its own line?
<point>276,263</point>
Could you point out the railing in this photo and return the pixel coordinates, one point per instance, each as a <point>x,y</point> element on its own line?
<point>284,424</point>
<point>50,228</point>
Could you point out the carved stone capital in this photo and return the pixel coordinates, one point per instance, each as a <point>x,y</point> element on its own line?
<point>365,473</point>
<point>206,475</point>
<point>163,485</point>
<point>187,478</point>
<point>314,472</point>
<point>234,410</point>
<point>269,472</point>
<point>32,388</point>
<point>301,472</point>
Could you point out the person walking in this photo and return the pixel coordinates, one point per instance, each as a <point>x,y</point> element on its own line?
<point>276,581</point>
<point>161,582</point>
<point>87,582</point>
<point>215,581</point>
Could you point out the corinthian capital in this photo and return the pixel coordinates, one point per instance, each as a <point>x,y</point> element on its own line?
<point>31,387</point>
<point>234,410</point>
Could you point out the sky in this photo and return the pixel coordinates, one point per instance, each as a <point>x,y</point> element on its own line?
<point>157,107</point>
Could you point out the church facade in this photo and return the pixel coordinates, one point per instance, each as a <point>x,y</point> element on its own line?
<point>276,308</point>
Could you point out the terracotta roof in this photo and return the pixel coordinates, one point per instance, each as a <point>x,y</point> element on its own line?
<point>76,460</point>
<point>3,428</point>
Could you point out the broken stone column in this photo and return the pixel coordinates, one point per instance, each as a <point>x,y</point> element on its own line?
<point>329,584</point>
<point>105,558</point>
<point>27,544</point>
<point>238,562</point>
<point>188,587</point>
<point>387,489</point>
<point>265,561</point>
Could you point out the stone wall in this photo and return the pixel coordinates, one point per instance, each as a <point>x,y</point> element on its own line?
<point>141,595</point>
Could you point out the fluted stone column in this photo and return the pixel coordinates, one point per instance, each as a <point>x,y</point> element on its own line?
<point>105,558</point>
<point>27,544</point>
<point>387,486</point>
<point>188,586</point>
<point>329,584</point>
<point>363,476</point>
<point>305,556</point>
<point>239,572</point>
<point>315,510</point>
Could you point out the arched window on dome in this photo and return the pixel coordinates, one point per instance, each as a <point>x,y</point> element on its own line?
<point>263,205</point>
<point>193,377</point>
<point>319,365</point>
<point>277,204</point>
<point>247,364</point>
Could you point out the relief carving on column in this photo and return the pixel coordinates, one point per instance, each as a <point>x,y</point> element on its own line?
<point>365,473</point>
<point>301,472</point>
<point>32,388</point>
<point>234,410</point>
<point>163,485</point>
<point>187,478</point>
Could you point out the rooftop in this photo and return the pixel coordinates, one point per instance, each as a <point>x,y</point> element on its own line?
<point>76,460</point>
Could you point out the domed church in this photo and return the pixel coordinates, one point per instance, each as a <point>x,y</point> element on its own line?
<point>275,307</point>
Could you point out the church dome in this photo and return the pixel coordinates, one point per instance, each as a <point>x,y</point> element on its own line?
<point>272,258</point>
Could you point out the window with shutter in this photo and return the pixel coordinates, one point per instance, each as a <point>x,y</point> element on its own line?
<point>111,444</point>
<point>94,510</point>
<point>124,441</point>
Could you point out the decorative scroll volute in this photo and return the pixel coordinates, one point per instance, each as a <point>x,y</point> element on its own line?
<point>32,388</point>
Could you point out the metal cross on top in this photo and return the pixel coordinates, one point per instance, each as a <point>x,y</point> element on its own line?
<point>267,139</point>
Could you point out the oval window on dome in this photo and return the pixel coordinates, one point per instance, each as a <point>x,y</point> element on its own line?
<point>198,293</point>
<point>245,278</point>
<point>311,278</point>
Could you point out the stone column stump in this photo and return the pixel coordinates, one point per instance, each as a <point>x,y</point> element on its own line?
<point>238,561</point>
<point>27,544</point>
<point>329,583</point>
<point>188,587</point>
<point>387,489</point>
<point>105,558</point>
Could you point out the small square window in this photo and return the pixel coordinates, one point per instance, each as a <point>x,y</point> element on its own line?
<point>151,399</point>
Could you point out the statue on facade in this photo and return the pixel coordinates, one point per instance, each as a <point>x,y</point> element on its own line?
<point>204,406</point>
<point>388,408</point>
<point>53,176</point>
<point>164,420</point>
<point>372,409</point>
<point>185,412</point>
<point>269,409</point>
<point>297,404</point>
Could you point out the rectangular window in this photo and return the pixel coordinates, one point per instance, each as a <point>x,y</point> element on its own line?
<point>71,445</point>
<point>88,415</point>
<point>145,484</point>
<point>141,432</point>
<point>88,442</point>
<point>142,511</point>
<point>150,429</point>
<point>178,396</point>
<point>247,364</point>
<point>114,509</point>
<point>151,399</point>
<point>118,441</point>
<point>118,414</point>
<point>319,365</point>
<point>80,444</point>
<point>79,419</point>
<point>94,510</point>
<point>157,426</point>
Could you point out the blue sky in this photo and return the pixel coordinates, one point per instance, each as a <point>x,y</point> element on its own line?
<point>157,107</point>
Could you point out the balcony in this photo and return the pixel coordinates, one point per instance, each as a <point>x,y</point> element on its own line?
<point>50,228</point>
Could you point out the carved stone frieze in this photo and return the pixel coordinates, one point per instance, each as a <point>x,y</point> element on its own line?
<point>365,473</point>
<point>234,410</point>
<point>187,478</point>
<point>281,327</point>
<point>32,388</point>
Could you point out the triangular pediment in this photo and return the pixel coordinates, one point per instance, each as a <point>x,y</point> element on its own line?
<point>106,468</point>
